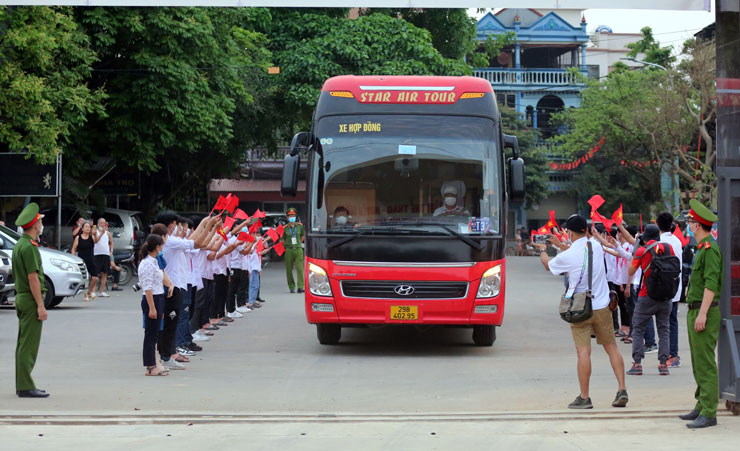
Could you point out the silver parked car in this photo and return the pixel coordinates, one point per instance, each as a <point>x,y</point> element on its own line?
<point>65,274</point>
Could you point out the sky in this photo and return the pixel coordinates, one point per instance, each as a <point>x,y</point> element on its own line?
<point>669,27</point>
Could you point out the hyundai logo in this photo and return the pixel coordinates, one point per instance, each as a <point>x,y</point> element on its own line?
<point>404,290</point>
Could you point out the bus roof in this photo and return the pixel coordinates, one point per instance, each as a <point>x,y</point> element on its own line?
<point>423,82</point>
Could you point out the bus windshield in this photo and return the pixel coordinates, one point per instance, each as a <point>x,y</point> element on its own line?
<point>409,173</point>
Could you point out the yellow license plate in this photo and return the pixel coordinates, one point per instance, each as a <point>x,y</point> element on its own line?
<point>405,312</point>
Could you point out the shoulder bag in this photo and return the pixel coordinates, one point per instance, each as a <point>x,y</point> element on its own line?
<point>577,308</point>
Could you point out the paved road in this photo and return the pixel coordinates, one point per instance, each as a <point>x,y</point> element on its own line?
<point>270,363</point>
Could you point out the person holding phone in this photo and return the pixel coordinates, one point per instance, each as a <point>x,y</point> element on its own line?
<point>103,250</point>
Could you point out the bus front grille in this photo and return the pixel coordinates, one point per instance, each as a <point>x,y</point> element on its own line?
<point>384,289</point>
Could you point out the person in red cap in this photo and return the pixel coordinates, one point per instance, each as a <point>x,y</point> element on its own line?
<point>29,301</point>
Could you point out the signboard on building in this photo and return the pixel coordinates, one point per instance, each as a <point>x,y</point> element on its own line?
<point>21,177</point>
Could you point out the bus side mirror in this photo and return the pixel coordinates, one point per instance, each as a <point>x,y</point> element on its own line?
<point>516,179</point>
<point>289,183</point>
<point>300,140</point>
<point>511,142</point>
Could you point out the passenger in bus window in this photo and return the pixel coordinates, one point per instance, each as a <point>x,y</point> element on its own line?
<point>341,218</point>
<point>453,195</point>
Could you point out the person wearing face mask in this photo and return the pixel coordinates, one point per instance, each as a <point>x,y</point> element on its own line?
<point>29,301</point>
<point>453,194</point>
<point>292,240</point>
<point>341,218</point>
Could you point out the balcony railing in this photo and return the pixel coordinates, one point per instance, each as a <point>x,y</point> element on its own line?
<point>530,77</point>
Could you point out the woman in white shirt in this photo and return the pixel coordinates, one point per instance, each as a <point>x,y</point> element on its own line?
<point>152,301</point>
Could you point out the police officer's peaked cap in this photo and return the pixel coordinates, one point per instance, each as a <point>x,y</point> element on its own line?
<point>291,210</point>
<point>701,214</point>
<point>29,216</point>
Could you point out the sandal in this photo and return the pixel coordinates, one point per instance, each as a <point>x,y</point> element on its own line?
<point>86,298</point>
<point>153,371</point>
<point>211,327</point>
<point>619,333</point>
<point>627,340</point>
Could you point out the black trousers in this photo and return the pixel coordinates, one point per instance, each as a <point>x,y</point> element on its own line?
<point>234,282</point>
<point>624,314</point>
<point>201,305</point>
<point>151,328</point>
<point>221,282</point>
<point>241,292</point>
<point>166,339</point>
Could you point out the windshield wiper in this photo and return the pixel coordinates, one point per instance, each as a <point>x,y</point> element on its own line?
<point>347,239</point>
<point>451,232</point>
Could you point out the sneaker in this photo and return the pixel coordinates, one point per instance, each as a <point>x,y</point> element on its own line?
<point>674,362</point>
<point>185,351</point>
<point>621,399</point>
<point>663,370</point>
<point>234,314</point>
<point>243,309</point>
<point>173,364</point>
<point>103,294</point>
<point>194,347</point>
<point>651,349</point>
<point>580,403</point>
<point>636,370</point>
<point>199,336</point>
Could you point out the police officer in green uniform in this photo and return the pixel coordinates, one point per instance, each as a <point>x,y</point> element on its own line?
<point>292,239</point>
<point>703,317</point>
<point>29,300</point>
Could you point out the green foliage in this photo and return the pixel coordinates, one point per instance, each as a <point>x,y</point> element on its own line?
<point>174,77</point>
<point>45,59</point>
<point>654,53</point>
<point>535,160</point>
<point>310,48</point>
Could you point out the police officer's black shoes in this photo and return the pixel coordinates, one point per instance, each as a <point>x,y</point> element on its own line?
<point>691,416</point>
<point>292,291</point>
<point>702,422</point>
<point>35,393</point>
<point>301,290</point>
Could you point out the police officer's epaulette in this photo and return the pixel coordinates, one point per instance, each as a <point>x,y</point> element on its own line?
<point>705,245</point>
<point>34,243</point>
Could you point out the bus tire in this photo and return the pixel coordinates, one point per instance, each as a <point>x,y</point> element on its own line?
<point>328,334</point>
<point>484,335</point>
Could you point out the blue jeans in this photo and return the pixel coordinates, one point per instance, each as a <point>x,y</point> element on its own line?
<point>673,323</point>
<point>254,285</point>
<point>183,336</point>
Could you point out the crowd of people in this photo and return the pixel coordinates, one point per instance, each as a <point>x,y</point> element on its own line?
<point>635,277</point>
<point>195,280</point>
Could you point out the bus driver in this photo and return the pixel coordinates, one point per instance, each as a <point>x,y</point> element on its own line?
<point>453,193</point>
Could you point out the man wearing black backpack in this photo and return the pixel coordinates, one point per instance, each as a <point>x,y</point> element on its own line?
<point>661,271</point>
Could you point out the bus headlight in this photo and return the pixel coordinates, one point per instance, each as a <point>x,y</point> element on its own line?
<point>490,283</point>
<point>318,281</point>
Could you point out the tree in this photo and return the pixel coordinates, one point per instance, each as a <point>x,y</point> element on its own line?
<point>174,77</point>
<point>45,61</point>
<point>654,53</point>
<point>309,48</point>
<point>651,119</point>
<point>535,160</point>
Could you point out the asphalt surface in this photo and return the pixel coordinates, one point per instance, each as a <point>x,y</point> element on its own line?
<point>268,374</point>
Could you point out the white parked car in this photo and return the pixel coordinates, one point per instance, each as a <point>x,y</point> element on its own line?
<point>65,274</point>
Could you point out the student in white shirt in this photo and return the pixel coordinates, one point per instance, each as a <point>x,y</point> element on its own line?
<point>152,301</point>
<point>574,262</point>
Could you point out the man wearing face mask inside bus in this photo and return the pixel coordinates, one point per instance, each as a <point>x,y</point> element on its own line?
<point>453,193</point>
<point>341,219</point>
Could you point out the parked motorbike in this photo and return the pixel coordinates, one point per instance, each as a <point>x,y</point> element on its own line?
<point>126,260</point>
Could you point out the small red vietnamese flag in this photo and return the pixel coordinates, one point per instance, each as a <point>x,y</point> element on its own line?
<point>220,204</point>
<point>552,222</point>
<point>618,216</point>
<point>254,228</point>
<point>596,201</point>
<point>677,232</point>
<point>543,230</point>
<point>233,203</point>
<point>279,249</point>
<point>260,246</point>
<point>223,235</point>
<point>259,214</point>
<point>239,214</point>
<point>280,230</point>
<point>596,217</point>
<point>608,223</point>
<point>245,237</point>
<point>273,235</point>
<point>228,223</point>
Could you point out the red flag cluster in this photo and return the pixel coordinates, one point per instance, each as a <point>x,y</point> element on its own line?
<point>574,164</point>
<point>597,201</point>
